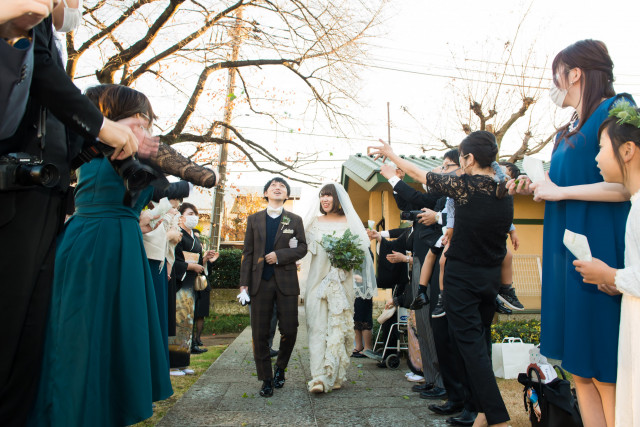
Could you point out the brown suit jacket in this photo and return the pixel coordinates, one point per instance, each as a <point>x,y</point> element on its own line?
<point>253,254</point>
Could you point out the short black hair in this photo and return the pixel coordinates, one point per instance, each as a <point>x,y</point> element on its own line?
<point>453,155</point>
<point>512,169</point>
<point>277,179</point>
<point>183,207</point>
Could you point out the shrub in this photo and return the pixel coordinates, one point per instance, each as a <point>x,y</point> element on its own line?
<point>527,330</point>
<point>225,273</point>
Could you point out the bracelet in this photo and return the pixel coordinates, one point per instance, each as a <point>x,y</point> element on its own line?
<point>407,258</point>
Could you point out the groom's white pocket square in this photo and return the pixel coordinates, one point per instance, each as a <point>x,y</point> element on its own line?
<point>293,243</point>
<point>287,231</point>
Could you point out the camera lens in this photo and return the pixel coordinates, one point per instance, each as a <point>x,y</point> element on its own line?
<point>46,175</point>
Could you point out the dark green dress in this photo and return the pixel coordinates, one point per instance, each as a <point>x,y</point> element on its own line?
<point>104,360</point>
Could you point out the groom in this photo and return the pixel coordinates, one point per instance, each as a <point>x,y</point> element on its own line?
<point>273,242</point>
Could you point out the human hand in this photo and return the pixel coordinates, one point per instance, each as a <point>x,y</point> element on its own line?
<point>145,222</point>
<point>519,185</point>
<point>357,278</point>
<point>428,217</point>
<point>120,137</point>
<point>383,151</point>
<point>271,258</point>
<point>400,173</point>
<point>211,256</point>
<point>515,240</point>
<point>387,170</point>
<point>243,296</point>
<point>195,267</point>
<point>446,239</point>
<point>396,257</point>
<point>546,190</point>
<point>373,234</point>
<point>17,17</point>
<point>597,272</point>
<point>389,304</point>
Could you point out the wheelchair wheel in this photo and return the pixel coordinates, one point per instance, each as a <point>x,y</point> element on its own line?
<point>393,361</point>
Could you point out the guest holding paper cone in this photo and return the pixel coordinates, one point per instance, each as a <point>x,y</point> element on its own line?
<point>578,321</point>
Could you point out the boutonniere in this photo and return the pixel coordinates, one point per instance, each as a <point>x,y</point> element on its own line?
<point>284,222</point>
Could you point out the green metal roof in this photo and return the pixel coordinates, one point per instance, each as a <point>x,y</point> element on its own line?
<point>365,171</point>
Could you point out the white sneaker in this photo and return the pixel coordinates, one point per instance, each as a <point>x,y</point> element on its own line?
<point>188,371</point>
<point>408,374</point>
<point>176,373</point>
<point>415,378</point>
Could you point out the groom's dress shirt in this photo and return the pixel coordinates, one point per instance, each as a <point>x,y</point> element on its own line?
<point>274,212</point>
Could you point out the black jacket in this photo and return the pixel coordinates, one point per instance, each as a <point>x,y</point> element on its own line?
<point>408,198</point>
<point>53,91</point>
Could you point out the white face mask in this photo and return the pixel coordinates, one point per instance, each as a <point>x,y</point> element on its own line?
<point>557,95</point>
<point>190,221</point>
<point>72,18</point>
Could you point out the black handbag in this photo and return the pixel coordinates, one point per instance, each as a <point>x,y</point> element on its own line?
<point>558,404</point>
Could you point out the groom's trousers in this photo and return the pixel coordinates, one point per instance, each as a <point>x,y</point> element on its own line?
<point>261,313</point>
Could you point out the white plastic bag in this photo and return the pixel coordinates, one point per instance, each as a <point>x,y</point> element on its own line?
<point>510,357</point>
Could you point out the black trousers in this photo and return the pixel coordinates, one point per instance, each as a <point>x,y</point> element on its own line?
<point>29,222</point>
<point>261,313</point>
<point>451,368</point>
<point>470,304</point>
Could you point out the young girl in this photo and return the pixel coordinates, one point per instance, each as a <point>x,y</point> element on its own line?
<point>619,162</point>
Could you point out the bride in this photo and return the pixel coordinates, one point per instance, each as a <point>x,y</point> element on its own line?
<point>329,292</point>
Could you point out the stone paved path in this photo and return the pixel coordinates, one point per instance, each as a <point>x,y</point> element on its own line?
<point>227,394</point>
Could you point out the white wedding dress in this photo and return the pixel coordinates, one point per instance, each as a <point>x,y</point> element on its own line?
<point>328,300</point>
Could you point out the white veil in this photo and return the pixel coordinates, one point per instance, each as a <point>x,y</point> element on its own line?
<point>367,288</point>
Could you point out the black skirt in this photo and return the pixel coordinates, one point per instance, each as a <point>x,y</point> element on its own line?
<point>362,314</point>
<point>202,303</point>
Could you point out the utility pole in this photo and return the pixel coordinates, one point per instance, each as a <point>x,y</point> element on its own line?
<point>215,233</point>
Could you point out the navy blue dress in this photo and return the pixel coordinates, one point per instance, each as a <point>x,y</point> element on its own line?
<point>580,323</point>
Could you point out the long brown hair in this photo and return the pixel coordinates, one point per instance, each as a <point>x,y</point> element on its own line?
<point>592,57</point>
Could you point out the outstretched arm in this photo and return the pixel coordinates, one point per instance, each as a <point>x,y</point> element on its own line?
<point>409,168</point>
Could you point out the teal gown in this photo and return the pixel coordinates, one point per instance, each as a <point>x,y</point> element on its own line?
<point>104,360</point>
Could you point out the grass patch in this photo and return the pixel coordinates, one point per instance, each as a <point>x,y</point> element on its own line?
<point>225,323</point>
<point>199,363</point>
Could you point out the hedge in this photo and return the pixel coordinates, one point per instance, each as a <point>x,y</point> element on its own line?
<point>225,273</point>
<point>528,330</point>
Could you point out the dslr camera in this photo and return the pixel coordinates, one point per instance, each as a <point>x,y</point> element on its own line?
<point>24,170</point>
<point>136,175</point>
<point>410,215</point>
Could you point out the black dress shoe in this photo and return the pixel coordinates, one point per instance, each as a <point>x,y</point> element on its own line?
<point>197,350</point>
<point>267,388</point>
<point>434,393</point>
<point>448,408</point>
<point>199,342</point>
<point>273,353</point>
<point>278,379</point>
<point>422,387</point>
<point>466,418</point>
<point>420,301</point>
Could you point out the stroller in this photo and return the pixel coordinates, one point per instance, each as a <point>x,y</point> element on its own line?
<point>392,361</point>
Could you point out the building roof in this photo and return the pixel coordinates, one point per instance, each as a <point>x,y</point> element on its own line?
<point>365,171</point>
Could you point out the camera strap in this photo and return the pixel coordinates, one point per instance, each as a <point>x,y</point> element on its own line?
<point>42,129</point>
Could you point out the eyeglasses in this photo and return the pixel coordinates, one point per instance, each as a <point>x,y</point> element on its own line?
<point>446,166</point>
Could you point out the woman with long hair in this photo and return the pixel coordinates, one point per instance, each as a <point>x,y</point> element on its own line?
<point>580,323</point>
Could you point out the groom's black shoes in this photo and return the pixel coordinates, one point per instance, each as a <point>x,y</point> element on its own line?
<point>278,379</point>
<point>267,388</point>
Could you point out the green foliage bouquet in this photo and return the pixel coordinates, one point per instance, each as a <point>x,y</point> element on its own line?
<point>344,252</point>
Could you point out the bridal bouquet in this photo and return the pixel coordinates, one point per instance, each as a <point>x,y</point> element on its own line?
<point>344,252</point>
